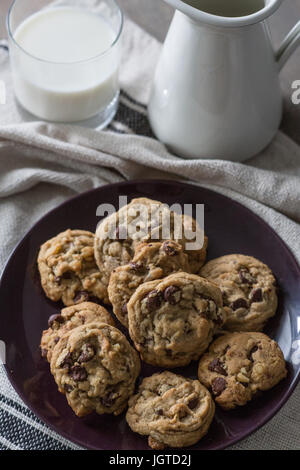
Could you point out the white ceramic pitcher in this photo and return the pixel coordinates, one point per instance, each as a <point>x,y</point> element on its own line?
<point>216,91</point>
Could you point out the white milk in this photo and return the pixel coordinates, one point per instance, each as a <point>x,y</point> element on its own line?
<point>63,76</point>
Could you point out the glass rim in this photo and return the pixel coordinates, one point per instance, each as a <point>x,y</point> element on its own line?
<point>82,61</point>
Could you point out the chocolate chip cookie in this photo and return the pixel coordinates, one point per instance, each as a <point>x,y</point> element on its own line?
<point>249,290</point>
<point>96,368</point>
<point>145,220</point>
<point>173,320</point>
<point>172,410</point>
<point>238,365</point>
<point>151,261</point>
<point>68,319</point>
<point>68,268</point>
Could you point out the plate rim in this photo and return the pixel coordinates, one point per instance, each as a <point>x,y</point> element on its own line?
<point>77,441</point>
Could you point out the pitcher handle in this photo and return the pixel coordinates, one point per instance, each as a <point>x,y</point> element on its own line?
<point>288,45</point>
<point>4,44</point>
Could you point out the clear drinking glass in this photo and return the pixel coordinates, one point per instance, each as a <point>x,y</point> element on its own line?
<point>69,90</point>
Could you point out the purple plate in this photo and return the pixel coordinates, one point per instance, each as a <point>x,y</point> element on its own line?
<point>231,228</point>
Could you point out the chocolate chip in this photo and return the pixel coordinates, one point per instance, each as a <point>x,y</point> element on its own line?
<point>55,318</point>
<point>224,296</point>
<point>159,412</point>
<point>217,366</point>
<point>138,268</point>
<point>218,386</point>
<point>109,399</point>
<point>67,362</point>
<point>144,342</point>
<point>68,388</point>
<point>256,295</point>
<point>246,277</point>
<point>182,413</point>
<point>187,328</point>
<point>239,303</point>
<point>81,296</point>
<point>193,403</point>
<point>170,249</point>
<point>172,294</point>
<point>251,352</point>
<point>78,373</point>
<point>66,275</point>
<point>154,299</point>
<point>87,353</point>
<point>204,315</point>
<point>219,320</point>
<point>56,339</point>
<point>195,307</point>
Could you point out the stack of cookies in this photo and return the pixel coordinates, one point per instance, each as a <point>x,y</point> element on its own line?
<point>173,306</point>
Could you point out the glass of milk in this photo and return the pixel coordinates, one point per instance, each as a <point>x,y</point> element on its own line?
<point>65,57</point>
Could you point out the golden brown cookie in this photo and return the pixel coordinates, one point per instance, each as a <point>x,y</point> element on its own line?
<point>249,290</point>
<point>238,365</point>
<point>144,220</point>
<point>172,410</point>
<point>96,368</point>
<point>173,320</point>
<point>68,268</point>
<point>151,261</point>
<point>68,319</point>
